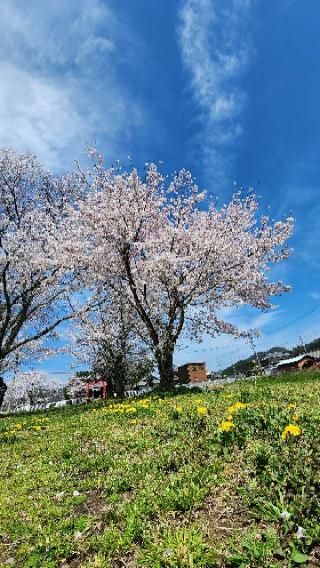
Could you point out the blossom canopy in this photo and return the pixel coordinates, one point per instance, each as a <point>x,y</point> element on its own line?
<point>174,256</point>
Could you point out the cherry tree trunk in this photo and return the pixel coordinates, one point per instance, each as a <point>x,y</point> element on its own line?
<point>165,368</point>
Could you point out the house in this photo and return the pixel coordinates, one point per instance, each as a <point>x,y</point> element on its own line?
<point>192,373</point>
<point>296,363</point>
<point>272,358</point>
<point>214,376</point>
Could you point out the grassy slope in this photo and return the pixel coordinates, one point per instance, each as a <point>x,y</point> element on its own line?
<point>159,485</point>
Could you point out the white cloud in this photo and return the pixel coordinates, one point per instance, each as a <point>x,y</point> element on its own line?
<point>223,350</point>
<point>315,295</point>
<point>215,49</point>
<point>37,115</point>
<point>59,82</point>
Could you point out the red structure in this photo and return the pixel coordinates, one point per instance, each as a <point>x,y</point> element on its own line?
<point>96,387</point>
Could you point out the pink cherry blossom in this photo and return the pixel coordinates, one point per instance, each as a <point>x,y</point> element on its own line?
<point>173,257</point>
<point>36,283</point>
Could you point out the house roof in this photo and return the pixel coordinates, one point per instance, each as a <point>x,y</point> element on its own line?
<point>294,359</point>
<point>187,364</point>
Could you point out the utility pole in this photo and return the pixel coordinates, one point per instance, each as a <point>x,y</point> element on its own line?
<point>220,367</point>
<point>303,344</point>
<point>256,357</point>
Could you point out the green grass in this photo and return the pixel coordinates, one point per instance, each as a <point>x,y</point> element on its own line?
<point>163,482</point>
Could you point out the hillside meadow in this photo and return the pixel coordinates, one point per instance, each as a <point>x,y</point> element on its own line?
<point>229,478</point>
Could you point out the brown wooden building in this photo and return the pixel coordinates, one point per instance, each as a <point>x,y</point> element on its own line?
<point>296,363</point>
<point>192,373</point>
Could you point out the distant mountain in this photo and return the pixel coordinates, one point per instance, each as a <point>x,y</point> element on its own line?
<point>312,346</point>
<point>277,350</point>
<point>248,364</point>
<point>241,366</point>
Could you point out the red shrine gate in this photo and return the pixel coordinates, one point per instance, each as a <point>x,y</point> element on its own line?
<point>96,387</point>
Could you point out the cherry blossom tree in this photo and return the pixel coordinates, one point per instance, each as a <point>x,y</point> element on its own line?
<point>29,388</point>
<point>75,388</point>
<point>36,285</point>
<point>173,256</point>
<point>106,339</point>
<point>3,388</point>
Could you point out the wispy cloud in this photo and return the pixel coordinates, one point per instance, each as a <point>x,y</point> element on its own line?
<point>59,82</point>
<point>315,295</point>
<point>216,50</point>
<point>223,350</point>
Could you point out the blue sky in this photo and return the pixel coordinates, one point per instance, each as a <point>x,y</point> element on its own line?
<point>229,89</point>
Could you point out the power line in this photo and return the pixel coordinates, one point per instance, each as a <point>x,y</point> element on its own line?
<point>293,321</point>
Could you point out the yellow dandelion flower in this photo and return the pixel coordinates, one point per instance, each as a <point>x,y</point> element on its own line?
<point>202,410</point>
<point>236,406</point>
<point>179,409</point>
<point>18,426</point>
<point>131,410</point>
<point>291,405</point>
<point>290,430</point>
<point>36,428</point>
<point>240,405</point>
<point>226,425</point>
